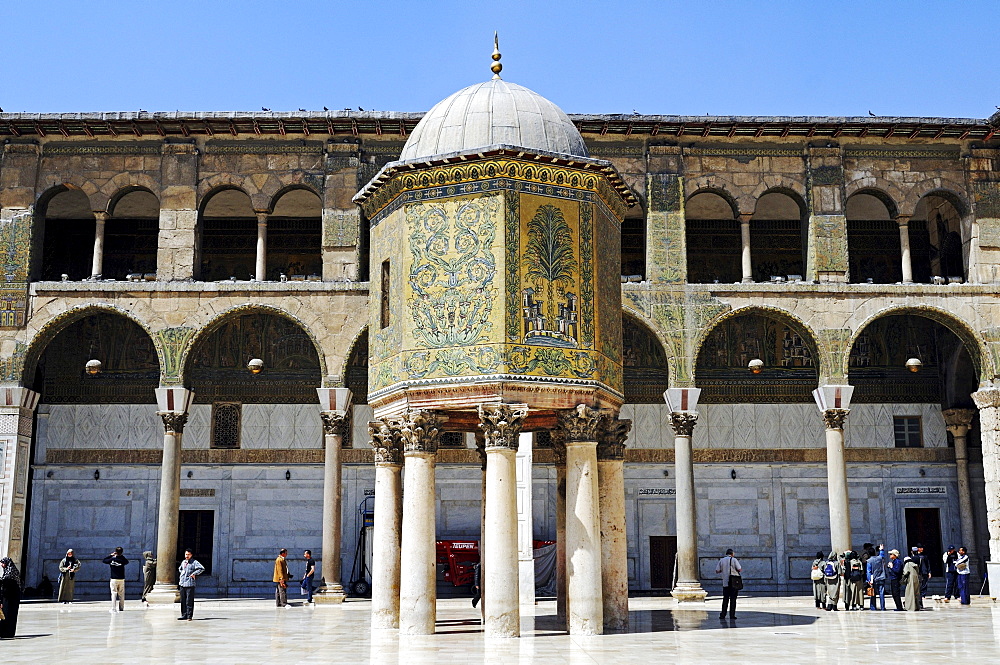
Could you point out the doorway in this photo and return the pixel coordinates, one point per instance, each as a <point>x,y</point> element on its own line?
<point>196,530</point>
<point>923,525</point>
<point>662,552</point>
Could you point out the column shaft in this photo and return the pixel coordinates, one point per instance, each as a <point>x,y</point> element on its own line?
<point>386,546</point>
<point>503,617</point>
<point>745,255</point>
<point>988,401</point>
<point>334,427</point>
<point>165,590</point>
<point>904,247</point>
<point>562,599</point>
<point>260,272</point>
<point>614,549</point>
<point>97,265</point>
<point>836,480</point>
<point>583,540</point>
<point>418,579</point>
<point>964,493</point>
<point>688,587</point>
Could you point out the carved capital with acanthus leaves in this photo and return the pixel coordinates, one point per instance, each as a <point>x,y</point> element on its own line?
<point>683,422</point>
<point>580,424</point>
<point>385,440</point>
<point>558,438</point>
<point>173,422</point>
<point>501,424</point>
<point>337,423</point>
<point>834,418</point>
<point>611,445</point>
<point>421,431</point>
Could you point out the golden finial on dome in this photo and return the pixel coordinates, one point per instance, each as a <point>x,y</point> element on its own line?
<point>496,66</point>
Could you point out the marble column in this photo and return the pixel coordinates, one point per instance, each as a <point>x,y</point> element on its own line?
<point>904,247</point>
<point>957,422</point>
<point>17,406</point>
<point>165,590</point>
<point>335,428</point>
<point>481,451</point>
<point>745,261</point>
<point>418,573</point>
<point>385,439</point>
<point>836,479</point>
<point>260,271</point>
<point>559,454</point>
<point>988,401</point>
<point>614,546</point>
<point>501,424</point>
<point>688,587</point>
<point>97,264</point>
<point>583,524</point>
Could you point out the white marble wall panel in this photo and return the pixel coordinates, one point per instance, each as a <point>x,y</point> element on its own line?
<point>361,415</point>
<point>871,425</point>
<point>198,430</point>
<point>104,426</point>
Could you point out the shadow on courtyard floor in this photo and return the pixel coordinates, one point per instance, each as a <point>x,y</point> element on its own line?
<point>659,621</point>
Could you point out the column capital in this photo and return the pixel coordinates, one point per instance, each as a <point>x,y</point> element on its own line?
<point>580,424</point>
<point>173,421</point>
<point>987,398</point>
<point>744,217</point>
<point>501,424</point>
<point>957,421</point>
<point>903,220</point>
<point>611,445</point>
<point>335,422</point>
<point>683,422</point>
<point>101,216</point>
<point>262,217</point>
<point>420,431</point>
<point>834,418</point>
<point>558,438</point>
<point>385,439</point>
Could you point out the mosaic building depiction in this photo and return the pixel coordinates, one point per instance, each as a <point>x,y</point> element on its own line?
<point>228,331</point>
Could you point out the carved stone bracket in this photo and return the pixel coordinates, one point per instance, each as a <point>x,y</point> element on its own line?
<point>501,423</point>
<point>386,441</point>
<point>957,421</point>
<point>683,422</point>
<point>335,422</point>
<point>580,424</point>
<point>173,422</point>
<point>834,418</point>
<point>420,431</point>
<point>611,446</point>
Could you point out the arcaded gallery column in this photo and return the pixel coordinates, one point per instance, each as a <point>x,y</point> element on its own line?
<point>988,401</point>
<point>335,414</point>
<point>904,247</point>
<point>833,403</point>
<point>17,407</point>
<point>481,451</point>
<point>388,447</point>
<point>683,404</point>
<point>173,405</point>
<point>745,261</point>
<point>559,455</point>
<point>97,266</point>
<point>418,579</point>
<point>958,421</point>
<point>614,547</point>
<point>583,524</point>
<point>260,272</point>
<point>501,425</point>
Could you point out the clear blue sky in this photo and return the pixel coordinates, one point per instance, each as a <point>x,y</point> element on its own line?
<point>696,57</point>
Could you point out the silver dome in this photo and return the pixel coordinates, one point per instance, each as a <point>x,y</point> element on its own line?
<point>492,113</point>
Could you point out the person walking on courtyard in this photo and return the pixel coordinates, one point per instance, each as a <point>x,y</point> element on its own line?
<point>911,577</point>
<point>281,578</point>
<point>816,575</point>
<point>950,574</point>
<point>963,571</point>
<point>117,561</point>
<point>67,577</point>
<point>308,575</point>
<point>729,566</point>
<point>10,597</point>
<point>189,571</point>
<point>832,570</point>
<point>875,573</point>
<point>924,566</point>
<point>854,581</point>
<point>148,574</point>
<point>894,575</point>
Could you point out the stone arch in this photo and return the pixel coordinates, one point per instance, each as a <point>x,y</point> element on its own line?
<point>361,338</point>
<point>47,332</point>
<point>290,188</point>
<point>123,191</point>
<point>62,238</point>
<point>974,344</point>
<point>947,189</point>
<point>781,184</point>
<point>644,381</point>
<point>123,183</point>
<point>880,188</point>
<point>717,186</point>
<point>260,194</point>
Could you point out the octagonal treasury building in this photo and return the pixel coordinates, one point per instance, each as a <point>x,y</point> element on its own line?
<point>644,339</point>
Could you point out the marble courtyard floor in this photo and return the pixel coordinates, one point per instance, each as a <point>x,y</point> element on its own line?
<point>769,630</point>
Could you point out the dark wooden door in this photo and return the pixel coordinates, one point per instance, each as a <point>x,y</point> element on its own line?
<point>923,526</point>
<point>662,552</point>
<point>196,530</point>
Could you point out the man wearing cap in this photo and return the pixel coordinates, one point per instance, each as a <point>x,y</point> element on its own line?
<point>893,573</point>
<point>950,574</point>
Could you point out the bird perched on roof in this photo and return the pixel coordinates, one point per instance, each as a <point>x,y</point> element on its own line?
<point>325,109</point>
<point>303,110</point>
<point>871,114</point>
<point>264,108</point>
<point>360,109</point>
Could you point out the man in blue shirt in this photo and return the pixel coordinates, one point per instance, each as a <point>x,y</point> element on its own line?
<point>117,561</point>
<point>875,570</point>
<point>893,573</point>
<point>189,571</point>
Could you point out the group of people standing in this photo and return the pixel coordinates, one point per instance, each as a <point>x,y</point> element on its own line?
<point>282,577</point>
<point>853,576</point>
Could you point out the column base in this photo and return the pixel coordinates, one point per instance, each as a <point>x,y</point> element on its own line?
<point>689,592</point>
<point>329,594</point>
<point>163,594</point>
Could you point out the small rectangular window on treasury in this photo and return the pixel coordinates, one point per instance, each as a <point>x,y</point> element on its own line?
<point>907,431</point>
<point>384,302</point>
<point>226,417</point>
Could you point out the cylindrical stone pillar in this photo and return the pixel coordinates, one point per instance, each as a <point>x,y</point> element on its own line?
<point>260,272</point>
<point>501,423</point>
<point>418,578</point>
<point>836,479</point>
<point>335,424</point>
<point>745,260</point>
<point>388,520</point>
<point>988,401</point>
<point>688,587</point>
<point>559,451</point>
<point>97,264</point>
<point>957,422</point>
<point>614,547</point>
<point>481,450</point>
<point>165,590</point>
<point>583,523</point>
<point>904,247</point>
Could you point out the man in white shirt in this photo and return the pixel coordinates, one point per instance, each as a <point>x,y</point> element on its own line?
<point>729,566</point>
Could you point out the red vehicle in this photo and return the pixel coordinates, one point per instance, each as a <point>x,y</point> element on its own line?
<point>457,557</point>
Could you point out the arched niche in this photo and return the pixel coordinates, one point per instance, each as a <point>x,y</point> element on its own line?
<point>873,247</point>
<point>712,238</point>
<point>789,354</point>
<point>644,363</point>
<point>778,232</point>
<point>294,235</point>
<point>938,241</point>
<point>130,234</point>
<point>356,371</point>
<point>66,225</point>
<point>227,227</point>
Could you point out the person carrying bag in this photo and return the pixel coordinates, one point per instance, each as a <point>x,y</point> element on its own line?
<point>732,579</point>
